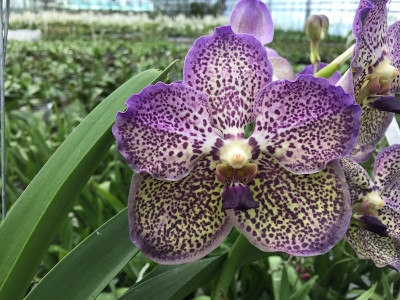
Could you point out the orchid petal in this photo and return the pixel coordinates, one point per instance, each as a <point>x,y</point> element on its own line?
<point>165,130</point>
<point>253,17</point>
<point>373,127</point>
<point>271,52</point>
<point>387,167</point>
<point>229,69</point>
<point>346,82</point>
<point>281,68</point>
<point>383,251</point>
<point>390,213</point>
<point>385,103</point>
<point>357,178</point>
<point>310,71</point>
<point>175,222</point>
<point>394,48</point>
<point>370,30</point>
<point>298,214</point>
<point>392,194</point>
<point>292,118</point>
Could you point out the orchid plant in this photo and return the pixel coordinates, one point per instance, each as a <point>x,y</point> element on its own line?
<point>241,149</point>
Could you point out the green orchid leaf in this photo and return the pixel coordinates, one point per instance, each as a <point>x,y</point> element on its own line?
<point>35,218</point>
<point>285,285</point>
<point>302,292</point>
<point>90,266</point>
<point>275,265</point>
<point>175,282</point>
<point>367,294</point>
<point>386,287</point>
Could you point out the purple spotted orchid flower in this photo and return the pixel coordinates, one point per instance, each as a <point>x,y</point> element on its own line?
<point>196,175</point>
<point>375,74</point>
<point>253,17</point>
<point>374,232</point>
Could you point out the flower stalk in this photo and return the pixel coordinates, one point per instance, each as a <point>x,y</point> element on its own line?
<point>335,64</point>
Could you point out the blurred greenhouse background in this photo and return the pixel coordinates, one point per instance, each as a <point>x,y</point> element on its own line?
<point>287,15</point>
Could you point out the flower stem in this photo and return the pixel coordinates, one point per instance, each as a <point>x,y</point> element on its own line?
<point>334,65</point>
<point>231,264</point>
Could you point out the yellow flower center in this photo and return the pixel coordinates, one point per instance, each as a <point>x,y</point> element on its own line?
<point>385,71</point>
<point>236,153</point>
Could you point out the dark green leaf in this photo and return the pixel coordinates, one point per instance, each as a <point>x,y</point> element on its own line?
<point>88,268</point>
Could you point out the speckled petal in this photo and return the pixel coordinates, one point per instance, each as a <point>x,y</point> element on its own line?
<point>175,222</point>
<point>373,127</point>
<point>253,17</point>
<point>357,178</point>
<point>165,130</point>
<point>305,123</point>
<point>394,48</point>
<point>229,69</point>
<point>370,30</point>
<point>310,71</point>
<point>392,194</point>
<point>387,167</point>
<point>383,251</point>
<point>390,213</point>
<point>298,214</point>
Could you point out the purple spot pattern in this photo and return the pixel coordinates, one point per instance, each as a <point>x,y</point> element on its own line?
<point>394,48</point>
<point>383,251</point>
<point>298,214</point>
<point>387,167</point>
<point>392,194</point>
<point>390,213</point>
<point>229,69</point>
<point>374,123</point>
<point>306,123</point>
<point>175,222</point>
<point>357,178</point>
<point>370,30</point>
<point>165,130</point>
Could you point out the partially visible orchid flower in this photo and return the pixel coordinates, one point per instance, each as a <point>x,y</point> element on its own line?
<point>196,175</point>
<point>375,74</point>
<point>253,17</point>
<point>374,232</point>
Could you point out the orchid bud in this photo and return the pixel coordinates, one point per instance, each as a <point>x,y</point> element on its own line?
<point>316,27</point>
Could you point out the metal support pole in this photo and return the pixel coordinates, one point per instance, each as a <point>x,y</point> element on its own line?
<point>308,8</point>
<point>3,49</point>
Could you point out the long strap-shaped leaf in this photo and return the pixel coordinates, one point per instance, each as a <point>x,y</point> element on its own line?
<point>34,219</point>
<point>88,268</point>
<point>176,282</point>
